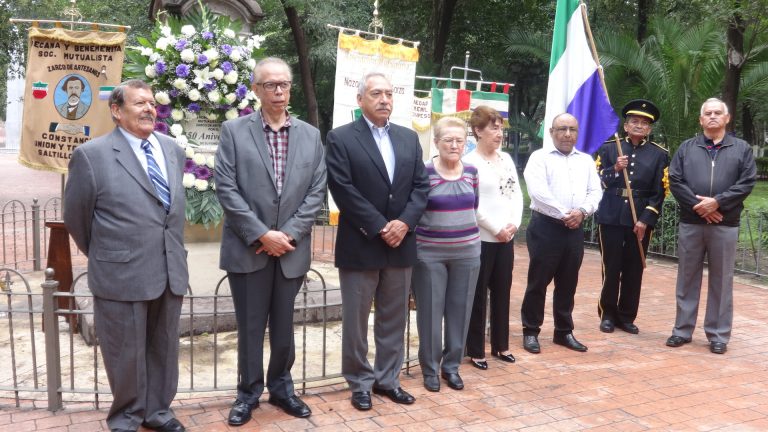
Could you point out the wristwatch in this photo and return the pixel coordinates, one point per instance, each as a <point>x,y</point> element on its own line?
<point>583,212</point>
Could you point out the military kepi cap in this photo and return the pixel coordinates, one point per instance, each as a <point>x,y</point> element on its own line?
<point>643,108</point>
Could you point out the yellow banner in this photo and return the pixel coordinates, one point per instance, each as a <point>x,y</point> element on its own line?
<point>70,75</point>
<point>377,47</point>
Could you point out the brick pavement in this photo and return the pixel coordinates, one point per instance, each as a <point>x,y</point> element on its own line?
<point>625,382</point>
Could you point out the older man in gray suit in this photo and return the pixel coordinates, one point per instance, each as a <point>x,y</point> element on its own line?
<point>124,207</point>
<point>270,179</point>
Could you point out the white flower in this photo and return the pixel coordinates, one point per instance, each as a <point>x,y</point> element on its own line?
<point>146,52</point>
<point>243,103</point>
<point>202,77</point>
<point>214,96</point>
<point>165,31</point>
<point>257,40</point>
<point>177,115</point>
<point>218,74</point>
<point>211,115</point>
<point>231,77</point>
<point>212,54</point>
<point>187,55</point>
<point>180,83</point>
<point>229,33</point>
<point>194,95</point>
<point>162,98</point>
<point>188,30</point>
<point>190,115</point>
<point>154,57</point>
<point>210,161</point>
<point>201,185</point>
<point>176,129</point>
<point>251,64</point>
<point>231,114</point>
<point>182,140</point>
<point>189,152</point>
<point>149,71</point>
<point>236,55</point>
<point>230,98</point>
<point>198,159</point>
<point>162,43</point>
<point>188,180</point>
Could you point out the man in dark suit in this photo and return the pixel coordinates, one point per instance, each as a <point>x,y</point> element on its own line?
<point>124,207</point>
<point>378,181</point>
<point>270,180</point>
<point>620,232</point>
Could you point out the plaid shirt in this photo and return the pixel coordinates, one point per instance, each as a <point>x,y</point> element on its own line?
<point>277,142</point>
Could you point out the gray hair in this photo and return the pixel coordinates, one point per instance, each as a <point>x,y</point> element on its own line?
<point>361,86</point>
<point>117,97</point>
<point>270,60</point>
<point>713,100</point>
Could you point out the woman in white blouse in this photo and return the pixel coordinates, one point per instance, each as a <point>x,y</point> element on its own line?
<point>498,215</point>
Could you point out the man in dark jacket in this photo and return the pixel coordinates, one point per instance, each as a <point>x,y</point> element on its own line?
<point>710,176</point>
<point>621,231</point>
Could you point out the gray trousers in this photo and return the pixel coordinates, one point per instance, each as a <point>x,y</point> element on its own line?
<point>719,245</point>
<point>444,290</point>
<point>387,289</point>
<point>139,342</point>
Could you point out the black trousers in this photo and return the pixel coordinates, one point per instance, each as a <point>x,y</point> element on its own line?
<point>555,252</point>
<point>622,273</point>
<point>496,263</point>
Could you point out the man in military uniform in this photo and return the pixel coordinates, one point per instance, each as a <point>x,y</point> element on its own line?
<point>646,164</point>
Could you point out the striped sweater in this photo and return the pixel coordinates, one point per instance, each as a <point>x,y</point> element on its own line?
<point>448,228</point>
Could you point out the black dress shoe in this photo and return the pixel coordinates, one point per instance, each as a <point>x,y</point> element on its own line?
<point>628,327</point>
<point>172,425</point>
<point>397,395</point>
<point>292,405</point>
<point>718,347</point>
<point>453,379</point>
<point>362,400</point>
<point>570,342</point>
<point>606,326</point>
<point>240,413</point>
<point>677,341</point>
<point>480,364</point>
<point>531,344</point>
<point>509,358</point>
<point>431,383</point>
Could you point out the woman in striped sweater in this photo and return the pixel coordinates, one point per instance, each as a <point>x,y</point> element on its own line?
<point>448,251</point>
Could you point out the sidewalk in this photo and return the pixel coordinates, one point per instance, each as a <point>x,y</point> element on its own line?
<point>624,382</point>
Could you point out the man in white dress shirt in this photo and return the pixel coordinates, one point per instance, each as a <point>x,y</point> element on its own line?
<point>564,190</point>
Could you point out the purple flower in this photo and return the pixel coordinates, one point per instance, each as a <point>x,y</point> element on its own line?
<point>211,84</point>
<point>180,44</point>
<point>189,166</point>
<point>193,107</point>
<point>161,127</point>
<point>241,91</point>
<point>226,67</point>
<point>202,172</point>
<point>173,93</point>
<point>202,59</point>
<point>182,71</point>
<point>245,111</point>
<point>226,49</point>
<point>160,67</point>
<point>163,111</point>
<point>207,35</point>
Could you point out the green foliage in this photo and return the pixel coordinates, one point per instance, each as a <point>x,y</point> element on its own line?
<point>203,208</point>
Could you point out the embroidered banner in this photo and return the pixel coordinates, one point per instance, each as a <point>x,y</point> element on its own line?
<point>70,75</point>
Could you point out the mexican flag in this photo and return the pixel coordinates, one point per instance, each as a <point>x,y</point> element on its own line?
<point>574,82</point>
<point>451,101</point>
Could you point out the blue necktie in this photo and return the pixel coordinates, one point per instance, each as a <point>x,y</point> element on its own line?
<point>156,176</point>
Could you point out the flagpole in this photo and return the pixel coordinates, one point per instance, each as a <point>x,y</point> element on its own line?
<point>627,185</point>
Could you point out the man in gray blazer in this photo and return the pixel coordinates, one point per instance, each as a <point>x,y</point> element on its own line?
<point>378,180</point>
<point>270,180</point>
<point>124,207</point>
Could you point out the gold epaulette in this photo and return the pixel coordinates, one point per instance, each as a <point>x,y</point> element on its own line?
<point>660,146</point>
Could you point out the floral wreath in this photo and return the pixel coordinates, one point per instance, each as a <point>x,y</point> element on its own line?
<point>199,68</point>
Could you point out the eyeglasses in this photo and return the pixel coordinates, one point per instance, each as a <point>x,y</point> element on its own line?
<point>449,140</point>
<point>272,86</point>
<point>564,129</point>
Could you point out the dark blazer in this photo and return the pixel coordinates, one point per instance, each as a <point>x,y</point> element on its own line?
<point>245,185</point>
<point>135,249</point>
<point>367,200</point>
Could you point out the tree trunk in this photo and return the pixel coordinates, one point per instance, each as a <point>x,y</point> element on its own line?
<point>748,125</point>
<point>442,17</point>
<point>735,37</point>
<point>304,69</point>
<point>643,6</point>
